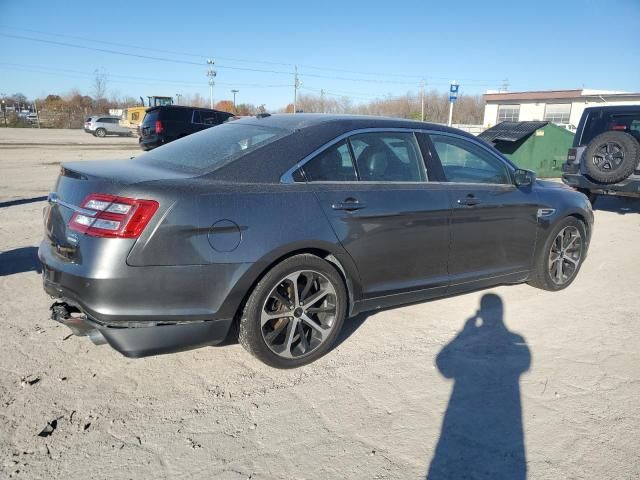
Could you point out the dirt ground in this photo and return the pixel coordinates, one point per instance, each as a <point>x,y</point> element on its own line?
<point>545,386</point>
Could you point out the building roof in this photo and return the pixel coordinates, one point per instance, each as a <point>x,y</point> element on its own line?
<point>511,131</point>
<point>554,95</point>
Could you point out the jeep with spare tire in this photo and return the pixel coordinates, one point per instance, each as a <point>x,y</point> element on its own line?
<point>605,156</point>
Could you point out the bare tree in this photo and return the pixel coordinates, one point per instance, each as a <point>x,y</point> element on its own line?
<point>100,84</point>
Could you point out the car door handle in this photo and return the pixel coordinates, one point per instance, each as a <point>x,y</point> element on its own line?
<point>469,201</point>
<point>350,205</point>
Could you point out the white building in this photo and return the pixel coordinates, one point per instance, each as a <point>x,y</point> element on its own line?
<point>562,107</point>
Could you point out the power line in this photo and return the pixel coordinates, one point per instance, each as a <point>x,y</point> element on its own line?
<point>144,80</point>
<point>187,62</point>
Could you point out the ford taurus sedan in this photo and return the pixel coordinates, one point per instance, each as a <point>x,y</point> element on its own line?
<point>275,229</point>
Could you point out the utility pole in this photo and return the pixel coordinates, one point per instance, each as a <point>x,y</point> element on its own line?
<point>35,107</point>
<point>211,74</point>
<point>296,86</point>
<point>422,100</point>
<point>505,84</point>
<point>178,99</point>
<point>322,100</point>
<point>234,91</point>
<point>4,112</point>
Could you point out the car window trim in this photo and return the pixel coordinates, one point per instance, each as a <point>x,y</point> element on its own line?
<point>287,177</point>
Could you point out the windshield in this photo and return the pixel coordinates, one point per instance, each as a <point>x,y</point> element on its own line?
<point>212,148</point>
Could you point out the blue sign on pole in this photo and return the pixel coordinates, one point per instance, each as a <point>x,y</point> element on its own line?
<point>453,92</point>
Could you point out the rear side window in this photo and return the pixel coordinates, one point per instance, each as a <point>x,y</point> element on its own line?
<point>205,118</point>
<point>388,157</point>
<point>213,148</point>
<point>332,165</point>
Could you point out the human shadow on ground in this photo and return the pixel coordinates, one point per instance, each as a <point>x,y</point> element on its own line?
<point>621,205</point>
<point>482,435</point>
<point>24,259</point>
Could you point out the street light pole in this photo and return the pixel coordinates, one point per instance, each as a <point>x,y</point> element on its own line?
<point>296,86</point>
<point>422,100</point>
<point>211,74</point>
<point>234,91</point>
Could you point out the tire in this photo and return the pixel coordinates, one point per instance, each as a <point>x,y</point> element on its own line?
<point>590,195</point>
<point>101,132</point>
<point>611,157</point>
<point>284,333</point>
<point>544,274</point>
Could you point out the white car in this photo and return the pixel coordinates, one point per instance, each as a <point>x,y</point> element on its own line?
<point>103,125</point>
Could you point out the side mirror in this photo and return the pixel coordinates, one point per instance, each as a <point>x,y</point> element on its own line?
<point>524,178</point>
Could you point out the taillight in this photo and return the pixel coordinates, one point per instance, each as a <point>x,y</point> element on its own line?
<point>159,126</point>
<point>112,216</point>
<point>571,155</point>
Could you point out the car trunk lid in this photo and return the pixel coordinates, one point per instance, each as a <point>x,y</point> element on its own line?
<point>79,180</point>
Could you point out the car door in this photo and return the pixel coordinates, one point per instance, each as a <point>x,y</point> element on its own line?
<point>493,222</point>
<point>374,189</point>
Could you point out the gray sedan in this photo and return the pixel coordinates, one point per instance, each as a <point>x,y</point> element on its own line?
<point>275,229</point>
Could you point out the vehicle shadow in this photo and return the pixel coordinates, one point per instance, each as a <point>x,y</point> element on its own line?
<point>22,201</point>
<point>482,434</point>
<point>24,259</point>
<point>620,205</point>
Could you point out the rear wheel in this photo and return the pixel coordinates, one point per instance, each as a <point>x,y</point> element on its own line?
<point>295,313</point>
<point>612,157</point>
<point>561,257</point>
<point>101,132</point>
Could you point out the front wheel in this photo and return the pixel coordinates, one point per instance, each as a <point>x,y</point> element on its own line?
<point>561,257</point>
<point>295,313</point>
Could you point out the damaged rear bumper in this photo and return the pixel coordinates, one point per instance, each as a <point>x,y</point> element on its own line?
<point>141,339</point>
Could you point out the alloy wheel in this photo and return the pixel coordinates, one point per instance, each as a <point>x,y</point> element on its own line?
<point>565,255</point>
<point>299,314</point>
<point>608,156</point>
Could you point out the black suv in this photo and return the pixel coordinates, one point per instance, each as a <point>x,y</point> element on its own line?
<point>167,123</point>
<point>606,152</point>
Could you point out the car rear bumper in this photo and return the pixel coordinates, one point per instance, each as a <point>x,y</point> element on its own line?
<point>142,340</point>
<point>628,187</point>
<point>150,310</point>
<point>150,143</point>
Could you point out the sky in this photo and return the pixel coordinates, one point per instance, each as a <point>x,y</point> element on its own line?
<point>360,49</point>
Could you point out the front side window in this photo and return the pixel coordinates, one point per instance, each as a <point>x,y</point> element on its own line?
<point>332,165</point>
<point>465,162</point>
<point>508,113</point>
<point>388,157</point>
<point>557,113</point>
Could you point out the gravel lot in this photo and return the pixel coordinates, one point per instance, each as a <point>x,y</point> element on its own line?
<point>554,390</point>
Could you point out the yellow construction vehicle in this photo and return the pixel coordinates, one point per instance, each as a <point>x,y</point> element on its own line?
<point>132,116</point>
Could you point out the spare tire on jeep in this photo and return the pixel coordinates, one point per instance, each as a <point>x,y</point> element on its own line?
<point>611,157</point>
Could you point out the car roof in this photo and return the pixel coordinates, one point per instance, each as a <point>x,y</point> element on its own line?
<point>184,107</point>
<point>614,108</point>
<point>298,121</point>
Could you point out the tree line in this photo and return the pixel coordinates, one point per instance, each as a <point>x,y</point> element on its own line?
<point>69,110</point>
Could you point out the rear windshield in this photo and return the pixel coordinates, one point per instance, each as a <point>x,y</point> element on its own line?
<point>213,148</point>
<point>151,117</point>
<point>601,121</point>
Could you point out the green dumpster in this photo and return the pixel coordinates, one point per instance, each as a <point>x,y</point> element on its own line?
<point>538,146</point>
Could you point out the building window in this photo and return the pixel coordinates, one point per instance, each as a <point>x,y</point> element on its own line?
<point>508,113</point>
<point>557,113</point>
